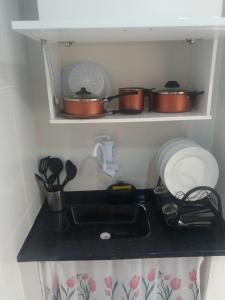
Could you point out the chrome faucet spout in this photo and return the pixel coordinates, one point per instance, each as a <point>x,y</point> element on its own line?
<point>108,164</point>
<point>95,153</point>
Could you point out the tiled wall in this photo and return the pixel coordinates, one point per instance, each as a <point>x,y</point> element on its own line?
<point>19,195</point>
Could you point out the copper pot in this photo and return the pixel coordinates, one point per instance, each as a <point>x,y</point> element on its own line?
<point>83,104</point>
<point>83,109</point>
<point>172,99</point>
<point>131,100</point>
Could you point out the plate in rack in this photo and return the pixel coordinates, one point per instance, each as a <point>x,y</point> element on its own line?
<point>189,168</point>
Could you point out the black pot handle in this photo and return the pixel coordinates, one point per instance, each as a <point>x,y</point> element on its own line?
<point>148,92</point>
<point>107,99</point>
<point>194,94</point>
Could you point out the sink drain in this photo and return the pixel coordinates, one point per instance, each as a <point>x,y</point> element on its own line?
<point>105,236</point>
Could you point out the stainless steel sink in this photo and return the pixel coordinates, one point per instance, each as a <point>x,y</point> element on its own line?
<point>116,221</point>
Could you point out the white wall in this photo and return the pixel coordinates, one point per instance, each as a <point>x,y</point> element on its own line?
<point>19,195</point>
<point>135,64</point>
<point>219,123</point>
<point>215,287</point>
<point>219,130</point>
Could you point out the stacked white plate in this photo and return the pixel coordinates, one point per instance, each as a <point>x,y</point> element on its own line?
<point>182,164</point>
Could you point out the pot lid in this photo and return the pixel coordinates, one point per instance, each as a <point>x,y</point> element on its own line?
<point>172,87</point>
<point>84,94</point>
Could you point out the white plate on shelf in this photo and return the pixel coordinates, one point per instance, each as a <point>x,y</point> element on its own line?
<point>88,75</point>
<point>188,168</point>
<point>179,145</point>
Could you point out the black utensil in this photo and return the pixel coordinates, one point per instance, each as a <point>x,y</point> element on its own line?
<point>55,166</point>
<point>51,179</point>
<point>71,172</point>
<point>43,166</point>
<point>38,177</point>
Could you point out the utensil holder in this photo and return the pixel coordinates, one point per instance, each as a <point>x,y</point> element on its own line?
<point>56,201</point>
<point>58,221</point>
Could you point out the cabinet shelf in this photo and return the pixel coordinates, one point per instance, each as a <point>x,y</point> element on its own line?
<point>103,31</point>
<point>140,118</point>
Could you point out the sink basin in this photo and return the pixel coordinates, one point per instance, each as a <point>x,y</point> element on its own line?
<point>114,221</point>
<point>102,213</point>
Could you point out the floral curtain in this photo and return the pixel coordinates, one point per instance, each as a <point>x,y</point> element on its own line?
<point>136,279</point>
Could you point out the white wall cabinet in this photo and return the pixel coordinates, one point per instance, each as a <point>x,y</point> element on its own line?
<point>160,44</point>
<point>126,9</point>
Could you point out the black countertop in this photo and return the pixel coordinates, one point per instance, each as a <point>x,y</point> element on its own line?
<point>42,244</point>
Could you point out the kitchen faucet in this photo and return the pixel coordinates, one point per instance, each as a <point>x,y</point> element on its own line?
<point>107,147</point>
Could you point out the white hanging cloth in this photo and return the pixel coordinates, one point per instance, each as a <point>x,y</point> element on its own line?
<point>135,279</point>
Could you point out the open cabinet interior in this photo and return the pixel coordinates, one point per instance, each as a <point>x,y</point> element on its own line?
<point>149,65</point>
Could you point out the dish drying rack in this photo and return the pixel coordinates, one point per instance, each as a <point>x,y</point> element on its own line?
<point>198,208</point>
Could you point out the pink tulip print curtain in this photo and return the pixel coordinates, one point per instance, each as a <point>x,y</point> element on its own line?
<point>137,279</point>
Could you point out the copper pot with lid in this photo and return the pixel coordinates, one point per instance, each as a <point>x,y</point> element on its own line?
<point>84,104</point>
<point>172,98</point>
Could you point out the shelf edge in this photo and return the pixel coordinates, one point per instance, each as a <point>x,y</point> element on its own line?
<point>129,120</point>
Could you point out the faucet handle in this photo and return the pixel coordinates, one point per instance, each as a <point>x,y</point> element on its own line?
<point>113,166</point>
<point>110,169</point>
